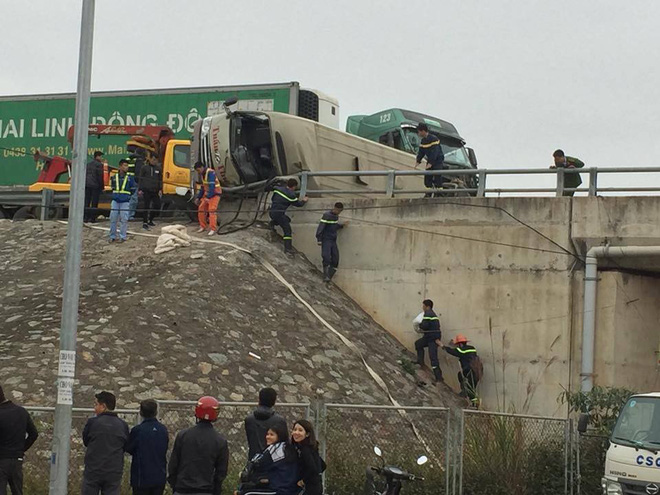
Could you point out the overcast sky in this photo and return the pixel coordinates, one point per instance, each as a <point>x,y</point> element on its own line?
<point>518,78</point>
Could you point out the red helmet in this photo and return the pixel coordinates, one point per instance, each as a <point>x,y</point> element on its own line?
<point>207,408</point>
<point>460,339</point>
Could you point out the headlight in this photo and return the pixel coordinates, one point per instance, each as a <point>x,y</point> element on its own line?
<point>611,487</point>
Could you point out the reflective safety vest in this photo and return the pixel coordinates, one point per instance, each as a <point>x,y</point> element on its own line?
<point>206,178</point>
<point>121,189</point>
<point>329,221</point>
<point>292,200</point>
<point>131,166</point>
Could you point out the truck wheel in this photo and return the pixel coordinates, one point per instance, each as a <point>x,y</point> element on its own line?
<point>24,213</point>
<point>53,213</point>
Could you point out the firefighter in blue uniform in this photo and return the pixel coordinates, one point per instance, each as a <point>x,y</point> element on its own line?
<point>471,367</point>
<point>283,197</point>
<point>326,236</point>
<point>431,149</point>
<point>430,328</point>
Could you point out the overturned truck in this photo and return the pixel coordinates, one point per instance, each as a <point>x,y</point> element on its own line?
<point>247,149</point>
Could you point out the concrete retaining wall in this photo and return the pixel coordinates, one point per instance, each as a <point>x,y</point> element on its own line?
<point>516,295</point>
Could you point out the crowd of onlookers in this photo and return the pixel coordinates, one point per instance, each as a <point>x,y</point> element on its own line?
<point>279,461</point>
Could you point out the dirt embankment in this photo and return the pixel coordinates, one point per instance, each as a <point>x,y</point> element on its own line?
<point>182,324</point>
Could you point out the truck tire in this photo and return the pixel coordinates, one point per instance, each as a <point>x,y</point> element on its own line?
<point>24,213</point>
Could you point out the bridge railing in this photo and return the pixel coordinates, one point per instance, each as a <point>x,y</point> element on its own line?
<point>482,188</point>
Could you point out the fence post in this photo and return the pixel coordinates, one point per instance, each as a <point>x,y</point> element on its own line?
<point>322,428</point>
<point>461,445</point>
<point>448,451</point>
<point>593,181</point>
<point>303,184</point>
<point>560,182</point>
<point>46,204</point>
<point>481,187</point>
<point>391,178</point>
<point>567,443</point>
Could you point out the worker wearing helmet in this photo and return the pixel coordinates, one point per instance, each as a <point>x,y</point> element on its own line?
<point>200,456</point>
<point>471,367</point>
<point>430,328</point>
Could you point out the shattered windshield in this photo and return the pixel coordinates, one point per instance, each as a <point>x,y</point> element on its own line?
<point>639,423</point>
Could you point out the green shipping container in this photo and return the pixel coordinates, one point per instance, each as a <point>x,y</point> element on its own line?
<point>41,122</point>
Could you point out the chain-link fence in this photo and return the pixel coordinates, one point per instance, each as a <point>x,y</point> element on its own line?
<point>36,466</point>
<point>349,434</point>
<point>469,452</point>
<point>510,454</point>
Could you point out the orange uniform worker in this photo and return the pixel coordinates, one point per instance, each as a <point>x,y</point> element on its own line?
<point>208,199</point>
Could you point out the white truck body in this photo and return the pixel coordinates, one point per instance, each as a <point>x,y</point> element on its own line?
<point>632,465</point>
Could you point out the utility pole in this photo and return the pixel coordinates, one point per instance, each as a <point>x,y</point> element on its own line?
<point>59,467</point>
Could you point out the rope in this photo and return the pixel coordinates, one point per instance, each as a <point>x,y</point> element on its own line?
<point>350,344</point>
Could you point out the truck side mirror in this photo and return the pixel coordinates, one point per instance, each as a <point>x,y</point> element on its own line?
<point>229,102</point>
<point>473,157</point>
<point>583,421</point>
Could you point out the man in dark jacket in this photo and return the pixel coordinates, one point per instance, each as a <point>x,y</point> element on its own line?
<point>430,148</point>
<point>93,187</point>
<point>430,328</point>
<point>150,185</point>
<point>326,236</point>
<point>147,444</point>
<point>105,437</point>
<point>571,181</point>
<point>283,197</point>
<point>17,434</point>
<point>200,457</point>
<point>260,420</point>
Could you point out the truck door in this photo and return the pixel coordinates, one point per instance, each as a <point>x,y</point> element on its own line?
<point>176,166</point>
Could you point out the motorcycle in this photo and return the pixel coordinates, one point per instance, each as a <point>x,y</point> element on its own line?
<point>394,476</point>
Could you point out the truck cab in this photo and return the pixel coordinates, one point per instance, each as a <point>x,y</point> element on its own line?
<point>397,128</point>
<point>632,465</point>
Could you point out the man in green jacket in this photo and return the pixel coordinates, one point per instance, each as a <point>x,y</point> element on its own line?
<point>571,181</point>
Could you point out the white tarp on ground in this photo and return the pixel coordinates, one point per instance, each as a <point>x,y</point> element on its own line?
<point>172,237</point>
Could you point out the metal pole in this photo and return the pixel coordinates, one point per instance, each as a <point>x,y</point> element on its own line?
<point>59,469</point>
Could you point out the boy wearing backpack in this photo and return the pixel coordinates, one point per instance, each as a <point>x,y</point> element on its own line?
<point>472,368</point>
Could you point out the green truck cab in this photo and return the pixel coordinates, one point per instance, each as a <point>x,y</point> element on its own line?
<point>397,128</point>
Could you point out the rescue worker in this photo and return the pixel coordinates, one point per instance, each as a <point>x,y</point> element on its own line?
<point>571,181</point>
<point>122,186</point>
<point>94,185</point>
<point>151,190</point>
<point>200,456</point>
<point>431,149</point>
<point>471,367</point>
<point>283,197</point>
<point>430,328</point>
<point>326,236</point>
<point>208,199</point>
<point>135,163</point>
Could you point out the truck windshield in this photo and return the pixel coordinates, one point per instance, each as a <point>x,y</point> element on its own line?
<point>453,149</point>
<point>639,423</point>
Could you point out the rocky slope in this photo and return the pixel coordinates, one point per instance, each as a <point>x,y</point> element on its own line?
<point>182,324</point>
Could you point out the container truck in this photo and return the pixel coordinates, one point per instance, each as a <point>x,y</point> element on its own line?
<point>40,122</point>
<point>250,148</point>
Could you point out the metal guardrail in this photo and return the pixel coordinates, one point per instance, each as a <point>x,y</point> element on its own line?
<point>482,176</point>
